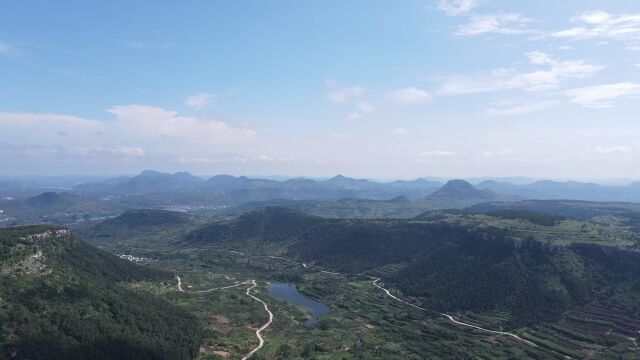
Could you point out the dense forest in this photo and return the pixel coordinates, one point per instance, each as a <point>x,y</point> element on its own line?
<point>63,299</point>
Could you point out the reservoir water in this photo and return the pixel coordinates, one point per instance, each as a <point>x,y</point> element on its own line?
<point>289,293</point>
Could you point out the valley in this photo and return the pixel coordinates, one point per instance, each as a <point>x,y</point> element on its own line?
<point>520,279</point>
<point>217,264</point>
<point>319,180</point>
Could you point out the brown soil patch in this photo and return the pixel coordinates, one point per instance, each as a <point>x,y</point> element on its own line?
<point>221,319</point>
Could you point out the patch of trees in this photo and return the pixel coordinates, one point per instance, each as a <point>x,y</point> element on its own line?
<point>531,216</point>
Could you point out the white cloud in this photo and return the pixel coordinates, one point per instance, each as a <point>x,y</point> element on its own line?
<point>457,7</point>
<point>235,158</point>
<point>612,149</point>
<point>603,96</point>
<point>437,154</point>
<point>127,151</point>
<point>82,151</point>
<point>216,159</point>
<point>540,58</point>
<point>5,50</point>
<point>353,118</point>
<point>507,78</point>
<point>602,25</point>
<point>519,108</point>
<point>47,120</point>
<point>400,132</point>
<point>46,129</point>
<point>365,107</point>
<point>135,129</point>
<point>497,153</point>
<point>344,95</point>
<point>155,122</point>
<point>198,101</point>
<point>507,24</point>
<point>9,150</point>
<point>408,96</point>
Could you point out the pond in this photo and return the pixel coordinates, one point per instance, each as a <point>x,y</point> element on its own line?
<point>289,293</point>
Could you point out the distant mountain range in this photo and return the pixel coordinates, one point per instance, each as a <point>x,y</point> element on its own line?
<point>547,189</point>
<point>339,196</point>
<point>455,194</point>
<point>242,188</point>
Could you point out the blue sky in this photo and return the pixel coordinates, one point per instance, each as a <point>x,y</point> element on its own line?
<point>453,88</point>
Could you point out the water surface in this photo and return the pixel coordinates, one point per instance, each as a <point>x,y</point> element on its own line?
<point>289,293</point>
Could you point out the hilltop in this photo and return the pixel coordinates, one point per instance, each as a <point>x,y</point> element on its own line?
<point>136,228</point>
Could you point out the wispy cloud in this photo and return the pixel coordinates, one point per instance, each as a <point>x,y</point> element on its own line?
<point>119,151</point>
<point>85,152</point>
<point>4,49</point>
<point>49,123</point>
<point>135,129</point>
<point>603,25</point>
<point>8,50</point>
<point>155,122</point>
<point>353,118</point>
<point>343,95</point>
<point>616,149</point>
<point>507,24</point>
<point>435,154</point>
<point>520,108</point>
<point>509,78</point>
<point>603,96</point>
<point>400,132</point>
<point>365,107</point>
<point>198,101</point>
<point>457,7</point>
<point>497,153</point>
<point>149,45</point>
<point>408,96</point>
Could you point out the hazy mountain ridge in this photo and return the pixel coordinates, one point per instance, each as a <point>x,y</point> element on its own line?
<point>150,181</point>
<point>455,194</point>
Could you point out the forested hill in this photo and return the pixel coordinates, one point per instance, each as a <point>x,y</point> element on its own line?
<point>537,266</point>
<point>63,299</point>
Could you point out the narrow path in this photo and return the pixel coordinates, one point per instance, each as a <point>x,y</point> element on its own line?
<point>179,283</point>
<point>223,287</point>
<point>266,325</point>
<point>375,283</point>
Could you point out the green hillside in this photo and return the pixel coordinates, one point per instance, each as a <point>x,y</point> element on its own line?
<point>60,298</point>
<point>535,265</point>
<point>135,229</point>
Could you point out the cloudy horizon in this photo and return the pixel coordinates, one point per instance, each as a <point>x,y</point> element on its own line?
<point>434,88</point>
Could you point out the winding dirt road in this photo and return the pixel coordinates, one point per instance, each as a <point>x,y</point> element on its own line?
<point>266,325</point>
<point>248,293</point>
<point>514,336</point>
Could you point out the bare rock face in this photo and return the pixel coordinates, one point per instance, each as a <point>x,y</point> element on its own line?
<point>32,260</point>
<point>48,235</point>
